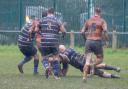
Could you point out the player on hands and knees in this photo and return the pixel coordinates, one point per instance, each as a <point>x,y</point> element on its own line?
<point>77,60</point>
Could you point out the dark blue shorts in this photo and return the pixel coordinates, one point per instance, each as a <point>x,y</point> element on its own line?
<point>28,50</point>
<point>49,51</point>
<point>94,46</point>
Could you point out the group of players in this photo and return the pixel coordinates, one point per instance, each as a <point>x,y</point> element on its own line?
<point>45,32</point>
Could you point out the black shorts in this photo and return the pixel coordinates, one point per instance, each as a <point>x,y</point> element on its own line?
<point>99,72</point>
<point>49,51</point>
<point>28,50</point>
<point>94,46</point>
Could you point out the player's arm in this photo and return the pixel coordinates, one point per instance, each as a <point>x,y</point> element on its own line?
<point>105,31</point>
<point>62,28</point>
<point>83,30</point>
<point>37,26</point>
<point>64,69</point>
<point>63,58</point>
<point>32,28</point>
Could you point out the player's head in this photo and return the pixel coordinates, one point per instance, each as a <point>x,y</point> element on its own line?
<point>62,48</point>
<point>44,13</point>
<point>50,11</point>
<point>98,11</point>
<point>32,17</point>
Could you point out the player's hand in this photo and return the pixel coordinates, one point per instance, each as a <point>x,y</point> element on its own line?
<point>84,79</point>
<point>106,44</point>
<point>63,34</point>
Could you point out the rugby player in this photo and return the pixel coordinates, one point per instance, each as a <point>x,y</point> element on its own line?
<point>50,27</point>
<point>26,46</point>
<point>38,33</point>
<point>95,28</point>
<point>77,60</point>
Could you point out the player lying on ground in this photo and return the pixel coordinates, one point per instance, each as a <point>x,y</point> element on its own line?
<point>26,46</point>
<point>69,56</point>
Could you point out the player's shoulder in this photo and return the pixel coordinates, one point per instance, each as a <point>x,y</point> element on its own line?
<point>43,18</point>
<point>103,20</point>
<point>70,50</point>
<point>28,24</point>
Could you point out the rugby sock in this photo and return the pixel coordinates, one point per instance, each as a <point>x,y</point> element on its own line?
<point>56,68</point>
<point>107,67</point>
<point>36,62</point>
<point>26,59</point>
<point>114,76</point>
<point>106,75</point>
<point>65,65</point>
<point>45,63</point>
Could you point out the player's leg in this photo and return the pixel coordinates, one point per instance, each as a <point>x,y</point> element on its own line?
<point>108,67</point>
<point>98,51</point>
<point>86,66</point>
<point>64,69</point>
<point>36,63</point>
<point>45,60</point>
<point>105,74</point>
<point>46,66</point>
<point>32,51</point>
<point>55,62</point>
<point>88,56</point>
<point>36,60</point>
<point>26,51</point>
<point>56,68</point>
<point>25,60</point>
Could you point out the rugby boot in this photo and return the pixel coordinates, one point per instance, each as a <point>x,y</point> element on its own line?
<point>20,67</point>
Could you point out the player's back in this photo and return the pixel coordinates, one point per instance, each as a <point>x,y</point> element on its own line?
<point>24,37</point>
<point>76,59</point>
<point>49,31</point>
<point>69,52</point>
<point>94,28</point>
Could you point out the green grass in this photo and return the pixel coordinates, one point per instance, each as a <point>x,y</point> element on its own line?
<point>10,78</point>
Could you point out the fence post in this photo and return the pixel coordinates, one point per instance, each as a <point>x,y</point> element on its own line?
<point>114,40</point>
<point>72,39</point>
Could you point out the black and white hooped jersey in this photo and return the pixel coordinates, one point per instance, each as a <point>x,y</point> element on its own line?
<point>24,38</point>
<point>76,59</point>
<point>50,27</point>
